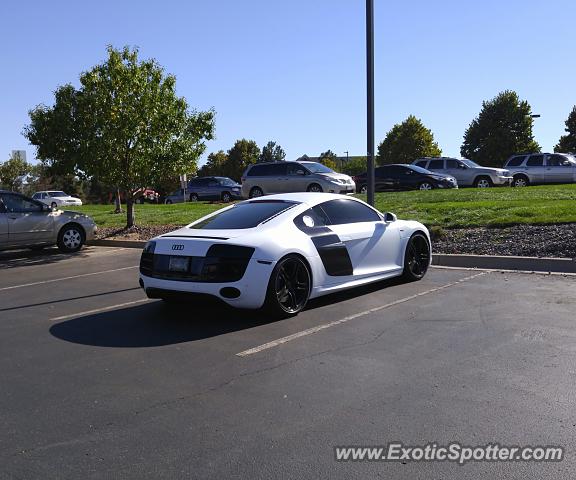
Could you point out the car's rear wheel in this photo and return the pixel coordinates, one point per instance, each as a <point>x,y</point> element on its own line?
<point>315,188</point>
<point>54,205</point>
<point>364,189</point>
<point>425,186</point>
<point>289,287</point>
<point>193,197</point>
<point>226,197</point>
<point>256,192</point>
<point>168,202</point>
<point>520,181</point>
<point>71,238</point>
<point>416,257</point>
<point>483,182</point>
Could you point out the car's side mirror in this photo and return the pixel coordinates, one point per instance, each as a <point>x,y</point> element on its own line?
<point>462,166</point>
<point>300,172</point>
<point>390,217</point>
<point>47,208</point>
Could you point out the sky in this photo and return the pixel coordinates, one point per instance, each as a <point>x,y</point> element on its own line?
<point>294,71</point>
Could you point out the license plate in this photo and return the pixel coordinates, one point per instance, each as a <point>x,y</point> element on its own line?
<point>178,264</point>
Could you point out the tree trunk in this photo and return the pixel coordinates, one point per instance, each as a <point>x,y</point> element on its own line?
<point>129,210</point>
<point>118,202</point>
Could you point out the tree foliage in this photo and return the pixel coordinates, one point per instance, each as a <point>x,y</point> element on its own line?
<point>13,172</point>
<point>215,164</point>
<point>354,166</point>
<point>329,158</point>
<point>243,153</point>
<point>406,142</point>
<point>567,143</point>
<point>272,152</point>
<point>124,125</point>
<point>503,127</point>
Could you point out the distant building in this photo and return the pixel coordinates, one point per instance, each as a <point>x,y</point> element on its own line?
<point>19,153</point>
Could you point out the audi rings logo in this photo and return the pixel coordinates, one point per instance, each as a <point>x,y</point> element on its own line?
<point>177,247</point>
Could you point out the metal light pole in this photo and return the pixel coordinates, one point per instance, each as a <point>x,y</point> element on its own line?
<point>370,97</point>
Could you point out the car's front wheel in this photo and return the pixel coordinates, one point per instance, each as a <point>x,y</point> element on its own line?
<point>71,238</point>
<point>483,182</point>
<point>416,257</point>
<point>193,197</point>
<point>54,205</point>
<point>168,202</point>
<point>289,287</point>
<point>226,197</point>
<point>520,181</point>
<point>256,192</point>
<point>315,188</point>
<point>364,189</point>
<point>425,186</point>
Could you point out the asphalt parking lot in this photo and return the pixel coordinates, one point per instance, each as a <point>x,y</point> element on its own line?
<point>96,381</point>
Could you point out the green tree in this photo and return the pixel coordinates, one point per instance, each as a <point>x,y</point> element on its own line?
<point>272,152</point>
<point>243,153</point>
<point>406,142</point>
<point>125,125</point>
<point>354,166</point>
<point>503,127</point>
<point>329,159</point>
<point>13,172</point>
<point>567,143</point>
<point>215,164</point>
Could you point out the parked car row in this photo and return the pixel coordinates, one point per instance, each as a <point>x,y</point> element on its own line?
<point>207,188</point>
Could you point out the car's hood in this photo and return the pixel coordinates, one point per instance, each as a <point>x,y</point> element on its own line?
<point>332,176</point>
<point>71,215</point>
<point>498,171</point>
<point>440,176</point>
<point>66,198</point>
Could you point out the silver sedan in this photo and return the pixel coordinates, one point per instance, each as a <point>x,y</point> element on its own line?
<point>27,223</point>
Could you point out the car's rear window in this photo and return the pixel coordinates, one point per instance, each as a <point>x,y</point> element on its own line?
<point>244,215</point>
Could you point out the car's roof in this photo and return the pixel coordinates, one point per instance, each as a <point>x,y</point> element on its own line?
<point>309,198</point>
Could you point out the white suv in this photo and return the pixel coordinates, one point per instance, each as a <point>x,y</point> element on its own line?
<point>466,172</point>
<point>542,168</point>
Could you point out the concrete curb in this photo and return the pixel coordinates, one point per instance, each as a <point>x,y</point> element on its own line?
<point>489,262</point>
<point>530,264</point>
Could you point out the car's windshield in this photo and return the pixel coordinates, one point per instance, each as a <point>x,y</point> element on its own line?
<point>244,215</point>
<point>469,163</point>
<point>317,168</point>
<point>58,194</point>
<point>226,181</point>
<point>418,169</point>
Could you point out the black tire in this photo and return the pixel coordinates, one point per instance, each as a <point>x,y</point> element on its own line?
<point>53,205</point>
<point>71,238</point>
<point>520,181</point>
<point>363,189</point>
<point>256,192</point>
<point>416,258</point>
<point>168,202</point>
<point>193,197</point>
<point>289,287</point>
<point>483,182</point>
<point>141,201</point>
<point>314,188</point>
<point>426,186</point>
<point>226,197</point>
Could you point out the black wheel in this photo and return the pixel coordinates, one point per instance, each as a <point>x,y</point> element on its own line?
<point>168,202</point>
<point>256,192</point>
<point>425,186</point>
<point>416,257</point>
<point>226,197</point>
<point>520,181</point>
<point>483,182</point>
<point>70,238</point>
<point>193,197</point>
<point>364,189</point>
<point>54,205</point>
<point>289,287</point>
<point>315,188</point>
<point>141,200</point>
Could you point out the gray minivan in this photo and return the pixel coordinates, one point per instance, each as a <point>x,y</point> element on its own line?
<point>285,177</point>
<point>537,168</point>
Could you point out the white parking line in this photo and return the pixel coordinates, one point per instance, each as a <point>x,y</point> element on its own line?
<point>98,310</point>
<point>66,278</point>
<point>324,326</point>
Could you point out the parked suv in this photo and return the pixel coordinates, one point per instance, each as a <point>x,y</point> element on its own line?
<point>466,172</point>
<point>537,168</point>
<point>285,177</point>
<point>405,177</point>
<point>207,188</point>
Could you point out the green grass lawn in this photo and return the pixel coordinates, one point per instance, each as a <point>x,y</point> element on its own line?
<point>445,208</point>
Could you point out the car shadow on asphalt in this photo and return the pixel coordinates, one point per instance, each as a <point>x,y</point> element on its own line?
<point>156,324</point>
<point>33,258</point>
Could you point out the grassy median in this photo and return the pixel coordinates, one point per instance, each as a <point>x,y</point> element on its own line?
<point>445,208</point>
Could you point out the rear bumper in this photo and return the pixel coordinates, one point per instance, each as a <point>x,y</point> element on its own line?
<point>502,181</point>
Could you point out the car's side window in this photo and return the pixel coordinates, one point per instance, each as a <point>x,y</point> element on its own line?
<point>277,169</point>
<point>18,204</point>
<point>36,196</point>
<point>535,161</point>
<point>382,172</point>
<point>516,161</point>
<point>293,168</point>
<point>344,211</point>
<point>556,161</point>
<point>422,164</point>
<point>2,207</point>
<point>436,165</point>
<point>453,164</point>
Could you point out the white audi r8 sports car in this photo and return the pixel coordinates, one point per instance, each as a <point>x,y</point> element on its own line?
<point>279,251</point>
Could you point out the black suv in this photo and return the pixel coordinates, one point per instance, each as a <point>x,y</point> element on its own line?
<point>405,177</point>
